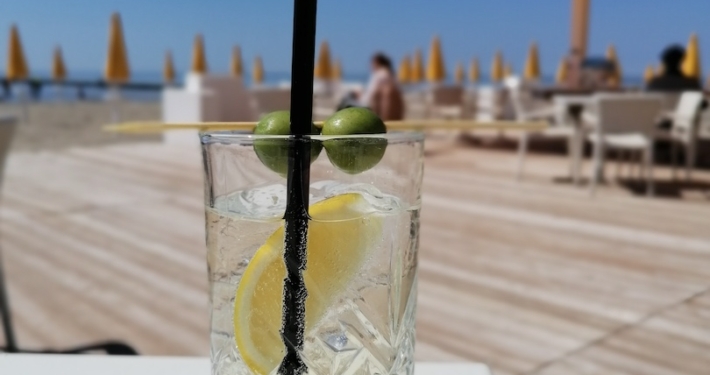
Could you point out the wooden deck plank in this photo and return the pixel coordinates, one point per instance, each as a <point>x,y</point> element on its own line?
<point>677,221</point>
<point>530,278</point>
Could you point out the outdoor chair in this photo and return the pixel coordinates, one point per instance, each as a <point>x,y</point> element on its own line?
<point>470,100</point>
<point>7,129</point>
<point>670,100</point>
<point>526,111</point>
<point>269,99</point>
<point>207,98</point>
<point>684,129</point>
<point>624,122</point>
<point>446,102</point>
<point>415,102</point>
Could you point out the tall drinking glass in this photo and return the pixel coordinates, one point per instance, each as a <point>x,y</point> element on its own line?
<point>361,273</point>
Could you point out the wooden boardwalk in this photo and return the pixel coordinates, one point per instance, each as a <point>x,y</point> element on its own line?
<point>530,278</point>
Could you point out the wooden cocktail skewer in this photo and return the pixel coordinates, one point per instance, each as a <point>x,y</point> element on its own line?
<point>157,127</point>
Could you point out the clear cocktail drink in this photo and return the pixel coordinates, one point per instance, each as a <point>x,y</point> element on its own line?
<point>361,258</point>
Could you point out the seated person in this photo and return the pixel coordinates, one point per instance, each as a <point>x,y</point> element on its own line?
<point>672,79</point>
<point>382,94</point>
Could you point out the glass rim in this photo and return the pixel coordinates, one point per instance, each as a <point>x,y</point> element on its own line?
<point>235,137</point>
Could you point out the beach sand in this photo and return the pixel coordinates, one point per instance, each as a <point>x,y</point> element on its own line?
<point>60,125</point>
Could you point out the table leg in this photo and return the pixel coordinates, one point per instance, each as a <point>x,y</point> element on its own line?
<point>576,147</point>
<point>600,166</point>
<point>577,143</point>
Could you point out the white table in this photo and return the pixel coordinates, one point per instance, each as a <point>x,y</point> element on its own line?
<point>43,364</point>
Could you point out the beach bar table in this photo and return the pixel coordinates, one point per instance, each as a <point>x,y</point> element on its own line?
<point>42,364</point>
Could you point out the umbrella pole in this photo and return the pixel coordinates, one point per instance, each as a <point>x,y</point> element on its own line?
<point>23,99</point>
<point>113,96</point>
<point>58,92</point>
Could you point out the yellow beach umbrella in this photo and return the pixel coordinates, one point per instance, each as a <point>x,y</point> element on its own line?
<point>532,64</point>
<point>459,74</point>
<point>648,74</point>
<point>257,71</point>
<point>507,70</point>
<point>417,67</point>
<point>236,64</point>
<point>337,71</point>
<point>323,66</point>
<point>561,75</point>
<point>474,71</point>
<point>497,69</point>
<point>199,61</point>
<point>616,77</point>
<point>691,63</point>
<point>435,70</point>
<point>59,71</point>
<point>16,64</point>
<point>404,74</point>
<point>168,68</point>
<point>117,69</point>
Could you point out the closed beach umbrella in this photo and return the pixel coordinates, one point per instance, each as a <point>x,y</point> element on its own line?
<point>532,64</point>
<point>660,69</point>
<point>417,74</point>
<point>435,70</point>
<point>507,70</point>
<point>497,73</point>
<point>691,64</point>
<point>337,72</point>
<point>117,69</point>
<point>59,71</point>
<point>257,71</point>
<point>168,68</point>
<point>236,64</point>
<point>474,71</point>
<point>561,75</point>
<point>616,77</point>
<point>459,74</point>
<point>404,74</point>
<point>648,74</point>
<point>199,61</point>
<point>323,66</point>
<point>16,64</point>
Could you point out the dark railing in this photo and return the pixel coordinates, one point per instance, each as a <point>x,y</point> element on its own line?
<point>36,85</point>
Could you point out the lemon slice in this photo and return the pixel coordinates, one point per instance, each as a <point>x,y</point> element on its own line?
<point>340,238</point>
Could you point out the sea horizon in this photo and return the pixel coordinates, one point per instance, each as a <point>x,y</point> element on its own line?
<point>274,78</point>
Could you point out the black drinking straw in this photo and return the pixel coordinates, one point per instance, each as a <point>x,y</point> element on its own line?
<point>299,162</point>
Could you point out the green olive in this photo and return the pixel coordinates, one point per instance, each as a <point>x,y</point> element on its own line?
<point>354,155</point>
<point>273,153</point>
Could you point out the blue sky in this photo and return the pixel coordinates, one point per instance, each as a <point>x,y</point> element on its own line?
<point>354,28</point>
